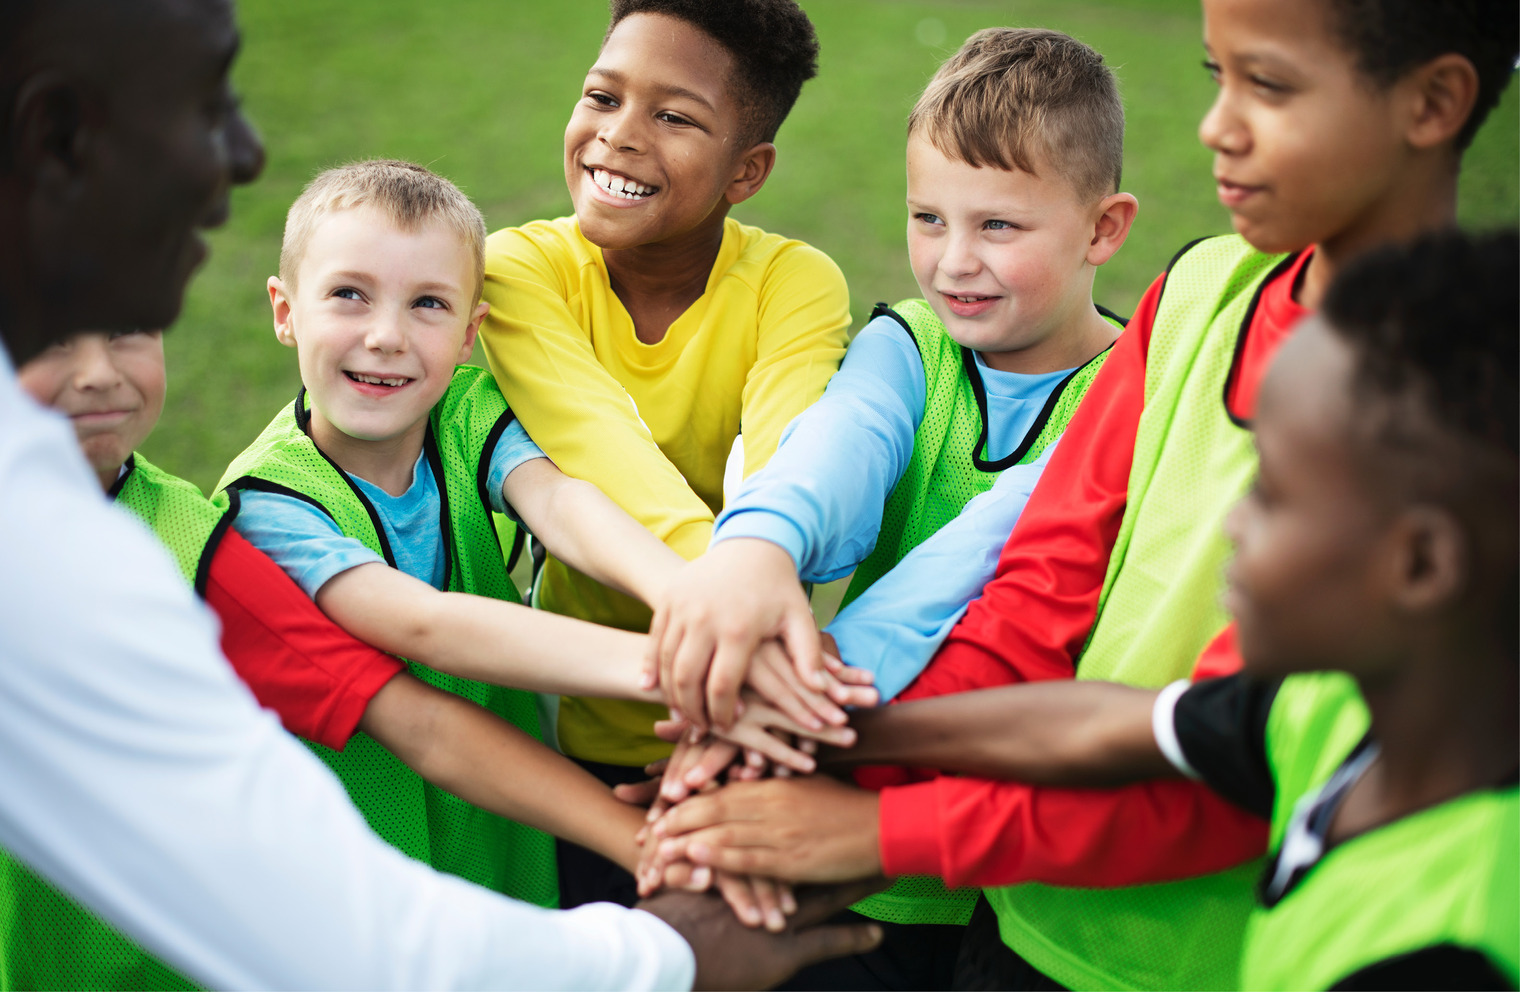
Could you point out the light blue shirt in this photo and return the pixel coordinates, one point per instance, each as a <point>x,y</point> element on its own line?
<point>822,495</point>
<point>309,546</point>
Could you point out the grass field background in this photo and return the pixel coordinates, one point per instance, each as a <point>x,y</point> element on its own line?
<point>480,90</point>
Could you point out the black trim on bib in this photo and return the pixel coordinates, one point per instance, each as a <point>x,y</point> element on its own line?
<point>203,567</point>
<point>884,310</point>
<point>445,522</point>
<point>121,477</point>
<point>979,390</point>
<point>303,421</point>
<point>483,475</point>
<point>1240,337</point>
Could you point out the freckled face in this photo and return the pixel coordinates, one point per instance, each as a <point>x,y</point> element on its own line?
<point>655,141</point>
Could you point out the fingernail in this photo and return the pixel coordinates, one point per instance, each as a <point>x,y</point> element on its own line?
<point>694,735</point>
<point>774,921</point>
<point>788,902</point>
<point>701,877</point>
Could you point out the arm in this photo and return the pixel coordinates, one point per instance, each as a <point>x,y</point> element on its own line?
<point>815,509</point>
<point>1034,617</point>
<point>894,628</point>
<point>138,775</point>
<point>484,639</point>
<point>587,531</point>
<point>484,760</point>
<point>311,672</point>
<point>572,407</point>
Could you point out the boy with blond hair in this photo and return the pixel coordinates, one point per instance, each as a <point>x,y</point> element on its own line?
<point>375,491</point>
<point>915,464</point>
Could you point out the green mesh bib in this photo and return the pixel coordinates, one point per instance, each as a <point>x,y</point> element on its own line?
<point>47,940</point>
<point>418,818</point>
<point>1449,874</point>
<point>946,470</point>
<point>1158,609</point>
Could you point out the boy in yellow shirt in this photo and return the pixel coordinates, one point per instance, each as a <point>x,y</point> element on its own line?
<point>638,338</point>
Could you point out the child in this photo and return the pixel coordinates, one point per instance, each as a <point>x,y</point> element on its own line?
<point>1013,160</point>
<point>374,492</point>
<point>639,337</point>
<point>1374,586</point>
<point>325,685</point>
<point>1337,126</point>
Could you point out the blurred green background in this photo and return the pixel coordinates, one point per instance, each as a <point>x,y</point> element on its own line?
<point>479,90</point>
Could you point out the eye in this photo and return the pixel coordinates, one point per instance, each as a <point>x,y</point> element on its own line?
<point>1269,86</point>
<point>430,303</point>
<point>347,293</point>
<point>673,118</point>
<point>1212,68</point>
<point>117,335</point>
<point>601,99</point>
<point>930,219</point>
<point>1001,225</point>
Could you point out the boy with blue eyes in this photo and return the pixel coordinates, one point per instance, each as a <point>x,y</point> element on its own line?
<point>914,466</point>
<point>375,491</point>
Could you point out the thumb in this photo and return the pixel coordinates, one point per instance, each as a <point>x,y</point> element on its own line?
<point>821,943</point>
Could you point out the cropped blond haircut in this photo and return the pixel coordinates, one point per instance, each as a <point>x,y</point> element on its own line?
<point>1012,97</point>
<point>407,194</point>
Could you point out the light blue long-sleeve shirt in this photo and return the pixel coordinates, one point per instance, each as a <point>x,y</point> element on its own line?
<point>822,495</point>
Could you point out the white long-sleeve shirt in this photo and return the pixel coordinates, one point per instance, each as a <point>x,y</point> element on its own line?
<point>138,774</point>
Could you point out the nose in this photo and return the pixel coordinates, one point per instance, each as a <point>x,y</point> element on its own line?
<point>1222,130</point>
<point>245,150</point>
<point>960,259</point>
<point>619,131</point>
<point>385,334</point>
<point>93,368</point>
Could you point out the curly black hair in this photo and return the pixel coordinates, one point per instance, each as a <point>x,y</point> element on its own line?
<point>1390,37</point>
<point>774,47</point>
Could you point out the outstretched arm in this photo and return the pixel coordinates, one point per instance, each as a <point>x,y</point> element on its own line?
<point>1061,732</point>
<point>589,532</point>
<point>470,752</point>
<point>484,639</point>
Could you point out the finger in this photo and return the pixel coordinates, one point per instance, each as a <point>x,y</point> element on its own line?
<point>714,759</point>
<point>821,943</point>
<point>740,896</point>
<point>759,741</point>
<point>685,688</point>
<point>816,903</point>
<point>850,675</point>
<point>688,877</point>
<point>637,793</point>
<point>785,694</point>
<point>769,902</point>
<point>787,896</point>
<point>780,664</point>
<point>649,670</point>
<point>729,664</point>
<point>800,635</point>
<point>696,813</point>
<point>670,730</point>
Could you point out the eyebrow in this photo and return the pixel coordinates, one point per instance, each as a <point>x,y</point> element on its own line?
<point>663,88</point>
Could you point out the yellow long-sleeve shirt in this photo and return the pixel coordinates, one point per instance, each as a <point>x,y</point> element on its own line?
<point>652,424</point>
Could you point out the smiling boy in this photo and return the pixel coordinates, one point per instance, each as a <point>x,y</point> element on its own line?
<point>637,339</point>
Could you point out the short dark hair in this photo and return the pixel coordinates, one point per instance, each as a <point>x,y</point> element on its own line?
<point>1434,328</point>
<point>1390,37</point>
<point>774,47</point>
<point>1012,93</point>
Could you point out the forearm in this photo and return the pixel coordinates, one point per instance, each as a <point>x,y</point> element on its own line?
<point>465,750</point>
<point>1060,732</point>
<point>485,639</point>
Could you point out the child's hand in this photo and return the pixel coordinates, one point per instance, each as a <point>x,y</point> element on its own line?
<point>714,615</point>
<point>772,675</point>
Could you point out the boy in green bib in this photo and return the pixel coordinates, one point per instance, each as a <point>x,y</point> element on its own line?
<point>1374,587</point>
<point>391,491</point>
<point>914,466</point>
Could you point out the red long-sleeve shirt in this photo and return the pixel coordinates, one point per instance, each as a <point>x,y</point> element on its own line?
<point>1031,623</point>
<point>300,664</point>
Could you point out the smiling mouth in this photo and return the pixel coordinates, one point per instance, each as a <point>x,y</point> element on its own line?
<point>621,186</point>
<point>375,380</point>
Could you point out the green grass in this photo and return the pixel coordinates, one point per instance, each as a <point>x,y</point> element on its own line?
<point>480,89</point>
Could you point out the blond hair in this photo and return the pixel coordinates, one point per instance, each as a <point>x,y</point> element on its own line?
<point>1014,96</point>
<point>406,193</point>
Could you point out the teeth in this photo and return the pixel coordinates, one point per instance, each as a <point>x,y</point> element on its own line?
<point>375,380</point>
<point>620,186</point>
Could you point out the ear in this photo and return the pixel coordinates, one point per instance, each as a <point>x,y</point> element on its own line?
<point>1440,98</point>
<point>471,330</point>
<point>53,129</point>
<point>754,169</point>
<point>1431,561</point>
<point>1115,215</point>
<point>279,301</point>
